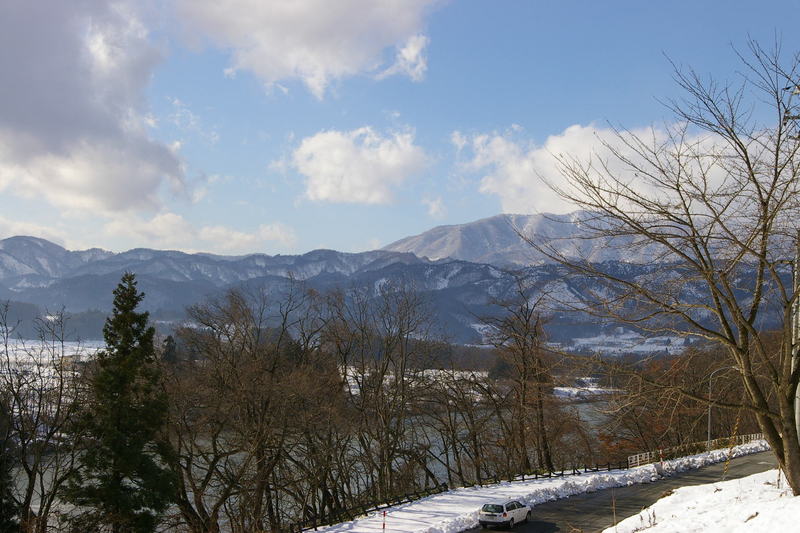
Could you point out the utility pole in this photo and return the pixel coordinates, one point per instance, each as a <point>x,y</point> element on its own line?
<point>796,328</point>
<point>788,116</point>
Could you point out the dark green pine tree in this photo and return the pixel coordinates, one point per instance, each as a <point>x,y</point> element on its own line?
<point>120,485</point>
<point>169,350</point>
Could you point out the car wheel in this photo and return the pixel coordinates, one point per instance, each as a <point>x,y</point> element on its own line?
<point>528,517</point>
<point>511,524</point>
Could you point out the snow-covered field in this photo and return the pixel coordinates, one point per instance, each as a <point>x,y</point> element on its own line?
<point>24,349</point>
<point>586,388</point>
<point>760,503</point>
<point>457,510</point>
<point>623,342</point>
<point>581,393</point>
<point>41,358</point>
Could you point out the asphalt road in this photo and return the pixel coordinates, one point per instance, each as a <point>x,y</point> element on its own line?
<point>592,512</point>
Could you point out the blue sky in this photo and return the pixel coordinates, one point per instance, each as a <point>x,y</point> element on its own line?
<point>269,126</point>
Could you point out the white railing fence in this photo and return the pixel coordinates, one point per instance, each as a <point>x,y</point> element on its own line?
<point>689,449</point>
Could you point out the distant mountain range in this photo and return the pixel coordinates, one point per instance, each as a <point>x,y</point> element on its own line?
<point>459,269</point>
<point>498,241</point>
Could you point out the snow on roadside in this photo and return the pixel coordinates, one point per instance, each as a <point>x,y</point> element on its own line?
<point>759,503</point>
<point>457,509</point>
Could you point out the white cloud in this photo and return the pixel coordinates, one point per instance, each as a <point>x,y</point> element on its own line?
<point>73,125</point>
<point>436,208</point>
<point>518,171</point>
<point>230,240</point>
<point>373,244</point>
<point>97,175</point>
<point>188,121</point>
<point>170,230</point>
<point>410,60</point>
<point>165,230</point>
<point>358,166</point>
<point>316,41</point>
<point>459,140</point>
<point>11,228</point>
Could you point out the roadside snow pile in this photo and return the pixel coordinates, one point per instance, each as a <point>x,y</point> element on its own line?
<point>755,504</point>
<point>457,509</point>
<point>691,462</point>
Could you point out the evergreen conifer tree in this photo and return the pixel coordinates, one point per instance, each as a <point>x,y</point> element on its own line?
<point>120,485</point>
<point>169,349</point>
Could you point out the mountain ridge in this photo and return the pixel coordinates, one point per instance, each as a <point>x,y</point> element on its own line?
<point>472,266</point>
<point>502,240</point>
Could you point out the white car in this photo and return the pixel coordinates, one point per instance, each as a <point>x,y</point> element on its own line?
<point>504,514</point>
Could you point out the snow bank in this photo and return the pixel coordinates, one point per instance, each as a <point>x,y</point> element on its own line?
<point>457,509</point>
<point>759,503</point>
<point>691,462</point>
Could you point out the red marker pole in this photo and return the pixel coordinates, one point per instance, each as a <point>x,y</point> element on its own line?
<point>384,520</point>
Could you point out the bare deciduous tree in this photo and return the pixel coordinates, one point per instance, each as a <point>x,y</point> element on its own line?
<point>518,336</point>
<point>716,193</point>
<point>375,340</point>
<point>38,380</point>
<point>231,413</point>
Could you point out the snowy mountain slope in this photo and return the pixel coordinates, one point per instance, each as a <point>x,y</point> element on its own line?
<point>27,262</point>
<point>497,240</point>
<point>21,256</point>
<point>458,292</point>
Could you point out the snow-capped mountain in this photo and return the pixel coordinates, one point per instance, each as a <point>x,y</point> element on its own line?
<point>38,272</point>
<point>20,256</point>
<point>459,270</point>
<point>498,240</point>
<point>29,262</point>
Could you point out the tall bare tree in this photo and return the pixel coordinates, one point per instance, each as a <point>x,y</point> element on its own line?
<point>256,422</point>
<point>38,382</point>
<point>716,194</point>
<point>518,336</point>
<point>375,340</point>
<point>230,413</point>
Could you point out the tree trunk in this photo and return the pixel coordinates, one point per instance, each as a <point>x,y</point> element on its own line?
<point>542,430</point>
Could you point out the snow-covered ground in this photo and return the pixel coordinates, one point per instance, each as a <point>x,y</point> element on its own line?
<point>622,342</point>
<point>457,510</point>
<point>41,358</point>
<point>760,503</point>
<point>581,393</point>
<point>586,388</point>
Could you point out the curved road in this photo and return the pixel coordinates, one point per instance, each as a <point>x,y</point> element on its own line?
<point>592,512</point>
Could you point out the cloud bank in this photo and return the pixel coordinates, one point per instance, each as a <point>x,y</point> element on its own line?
<point>171,230</point>
<point>72,107</point>
<point>523,175</point>
<point>315,41</point>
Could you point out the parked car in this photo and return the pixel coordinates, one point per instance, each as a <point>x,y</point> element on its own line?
<point>504,514</point>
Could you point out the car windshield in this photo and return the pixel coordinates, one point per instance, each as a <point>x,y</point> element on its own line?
<point>492,508</point>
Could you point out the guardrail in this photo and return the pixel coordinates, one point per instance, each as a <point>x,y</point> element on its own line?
<point>363,510</point>
<point>633,461</point>
<point>689,449</point>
